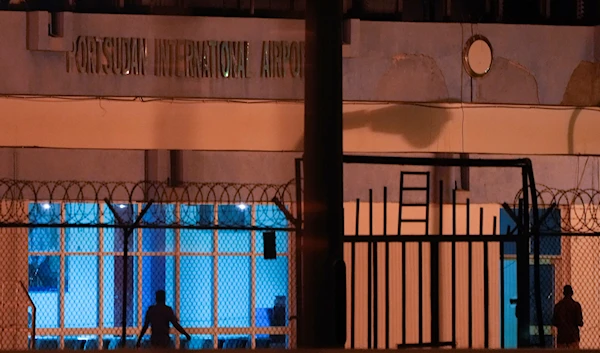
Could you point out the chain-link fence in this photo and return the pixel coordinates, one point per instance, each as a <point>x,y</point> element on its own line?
<point>569,255</point>
<point>91,257</point>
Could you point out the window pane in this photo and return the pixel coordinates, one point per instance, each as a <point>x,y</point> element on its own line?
<point>47,342</point>
<point>113,291</point>
<point>112,342</point>
<point>234,291</point>
<point>158,273</point>
<point>82,342</point>
<point>271,291</point>
<point>234,241</point>
<point>159,240</point>
<point>196,240</point>
<point>271,341</point>
<point>113,237</point>
<point>82,239</point>
<point>550,244</point>
<point>547,290</point>
<point>197,342</point>
<point>44,273</point>
<point>81,297</point>
<point>44,239</point>
<point>234,342</point>
<point>196,291</point>
<point>271,216</point>
<point>235,215</point>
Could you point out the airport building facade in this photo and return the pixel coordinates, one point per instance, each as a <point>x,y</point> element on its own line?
<point>204,116</point>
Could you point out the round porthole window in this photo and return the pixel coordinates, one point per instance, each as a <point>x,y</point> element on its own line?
<point>478,56</point>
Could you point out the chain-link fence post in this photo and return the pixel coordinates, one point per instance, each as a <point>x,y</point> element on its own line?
<point>127,232</point>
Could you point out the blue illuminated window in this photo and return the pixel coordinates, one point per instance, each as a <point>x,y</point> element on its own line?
<point>234,291</point>
<point>210,271</point>
<point>550,244</point>
<point>234,241</point>
<point>197,240</point>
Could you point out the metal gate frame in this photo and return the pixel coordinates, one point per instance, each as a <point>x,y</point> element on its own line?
<point>529,198</point>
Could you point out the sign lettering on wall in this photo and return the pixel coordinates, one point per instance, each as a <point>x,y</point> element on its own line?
<point>185,58</point>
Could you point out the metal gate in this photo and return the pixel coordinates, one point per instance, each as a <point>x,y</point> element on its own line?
<point>433,275</point>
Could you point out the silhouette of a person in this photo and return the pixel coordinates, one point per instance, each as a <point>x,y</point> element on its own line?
<point>159,317</point>
<point>567,318</point>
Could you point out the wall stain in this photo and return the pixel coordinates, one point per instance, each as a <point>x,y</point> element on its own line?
<point>507,82</point>
<point>412,77</point>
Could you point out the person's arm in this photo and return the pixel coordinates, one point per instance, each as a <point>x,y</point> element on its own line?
<point>144,328</point>
<point>177,326</point>
<point>579,315</point>
<point>554,317</point>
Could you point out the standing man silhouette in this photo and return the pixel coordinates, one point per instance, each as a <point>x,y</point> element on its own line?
<point>159,317</point>
<point>567,318</point>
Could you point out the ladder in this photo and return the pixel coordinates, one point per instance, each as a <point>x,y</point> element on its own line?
<point>414,189</point>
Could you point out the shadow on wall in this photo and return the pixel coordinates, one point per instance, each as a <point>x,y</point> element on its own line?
<point>583,90</point>
<point>408,78</point>
<point>418,125</point>
<point>507,82</point>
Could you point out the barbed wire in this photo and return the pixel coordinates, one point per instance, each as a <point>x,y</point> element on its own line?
<point>581,215</point>
<point>191,205</point>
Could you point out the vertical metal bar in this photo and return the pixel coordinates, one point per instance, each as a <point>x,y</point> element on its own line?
<point>536,254</point>
<point>470,275</point>
<point>486,280</point>
<point>453,256</point>
<point>435,273</point>
<point>353,278</point>
<point>502,297</point>
<point>427,194</point>
<point>375,291</point>
<point>387,272</point>
<point>253,256</point>
<point>215,298</point>
<point>403,259</point>
<point>140,263</point>
<point>298,249</point>
<point>126,235</point>
<point>487,287</point>
<point>177,264</point>
<point>63,275</point>
<point>370,274</point>
<point>523,271</point>
<point>100,275</point>
<point>420,321</point>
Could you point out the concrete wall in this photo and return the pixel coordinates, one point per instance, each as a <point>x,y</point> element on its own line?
<point>386,61</point>
<point>488,185</point>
